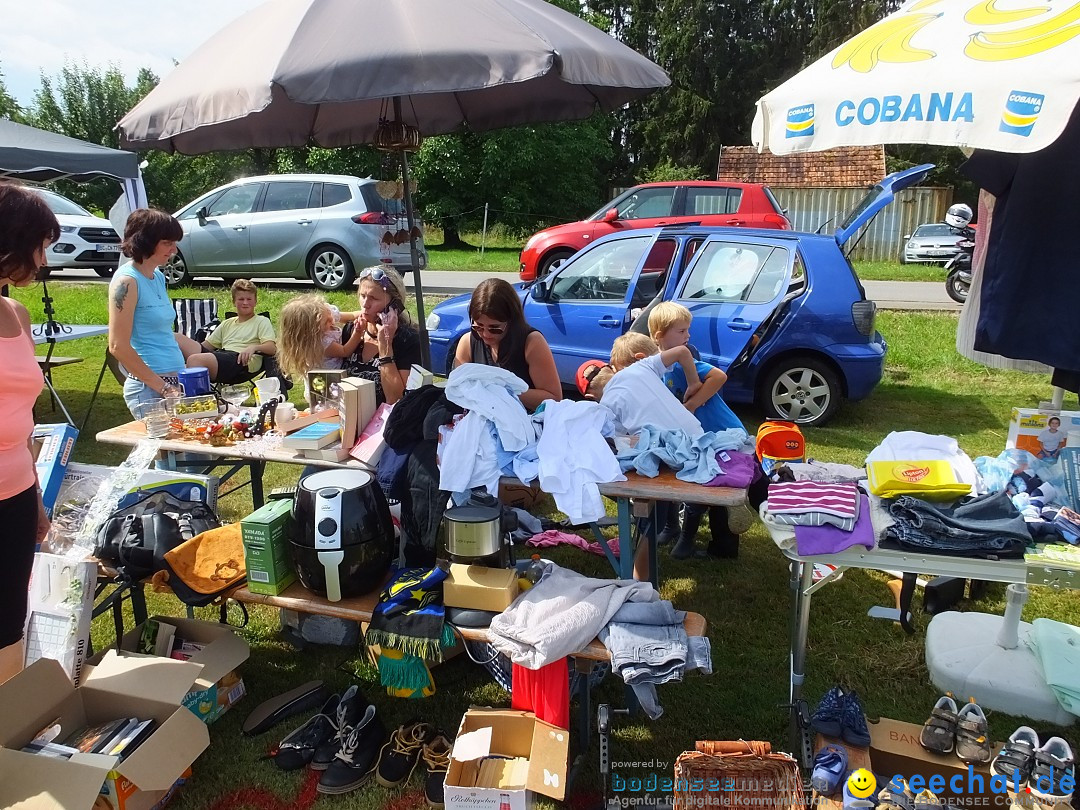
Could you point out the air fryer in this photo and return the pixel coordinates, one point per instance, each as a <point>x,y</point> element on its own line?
<point>345,535</point>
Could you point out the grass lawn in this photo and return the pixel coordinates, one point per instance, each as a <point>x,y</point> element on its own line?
<point>927,387</point>
<point>501,256</point>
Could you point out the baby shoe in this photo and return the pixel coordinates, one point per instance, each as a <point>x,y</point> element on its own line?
<point>972,740</point>
<point>853,726</point>
<point>830,766</point>
<point>826,719</point>
<point>1053,775</point>
<point>1015,760</point>
<point>939,731</point>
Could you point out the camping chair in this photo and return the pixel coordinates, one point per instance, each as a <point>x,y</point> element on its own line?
<point>196,317</point>
<point>269,368</point>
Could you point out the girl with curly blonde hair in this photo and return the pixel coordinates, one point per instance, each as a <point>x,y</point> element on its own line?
<point>310,336</point>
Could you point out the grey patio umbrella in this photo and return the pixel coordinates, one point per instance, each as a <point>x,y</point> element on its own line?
<point>328,72</point>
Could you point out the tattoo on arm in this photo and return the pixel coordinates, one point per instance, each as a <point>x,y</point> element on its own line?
<point>119,294</point>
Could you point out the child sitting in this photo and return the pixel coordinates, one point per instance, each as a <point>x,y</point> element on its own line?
<point>669,325</point>
<point>231,352</point>
<point>311,336</point>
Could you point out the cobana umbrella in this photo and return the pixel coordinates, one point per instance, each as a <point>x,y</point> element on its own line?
<point>1002,75</point>
<point>341,72</point>
<point>1001,78</point>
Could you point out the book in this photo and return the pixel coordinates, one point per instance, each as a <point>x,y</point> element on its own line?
<point>163,642</point>
<point>356,407</point>
<point>418,377</point>
<point>300,422</point>
<point>88,738</point>
<point>107,744</point>
<point>131,738</point>
<point>183,649</point>
<point>335,452</point>
<point>313,437</point>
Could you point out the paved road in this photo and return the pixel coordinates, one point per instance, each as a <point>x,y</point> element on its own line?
<point>911,295</point>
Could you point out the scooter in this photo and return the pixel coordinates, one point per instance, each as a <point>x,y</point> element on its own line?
<point>958,271</point>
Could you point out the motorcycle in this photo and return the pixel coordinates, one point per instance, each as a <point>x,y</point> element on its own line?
<point>958,269</point>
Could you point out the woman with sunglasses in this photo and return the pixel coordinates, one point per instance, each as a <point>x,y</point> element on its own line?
<point>501,336</point>
<point>387,344</point>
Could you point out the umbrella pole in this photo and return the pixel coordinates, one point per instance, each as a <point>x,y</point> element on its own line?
<point>414,255</point>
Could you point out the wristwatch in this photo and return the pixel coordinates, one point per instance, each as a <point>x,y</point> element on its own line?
<point>386,361</point>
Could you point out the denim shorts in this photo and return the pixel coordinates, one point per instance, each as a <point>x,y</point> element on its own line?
<point>136,392</point>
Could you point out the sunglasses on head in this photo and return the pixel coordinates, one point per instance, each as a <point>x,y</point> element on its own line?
<point>491,330</point>
<point>376,274</point>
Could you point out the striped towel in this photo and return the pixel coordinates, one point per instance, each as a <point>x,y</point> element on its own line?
<point>796,497</point>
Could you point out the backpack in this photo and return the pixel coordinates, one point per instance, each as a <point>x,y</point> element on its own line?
<point>779,441</point>
<point>135,539</point>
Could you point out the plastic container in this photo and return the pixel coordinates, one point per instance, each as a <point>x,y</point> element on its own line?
<point>194,381</point>
<point>534,570</point>
<point>204,407</point>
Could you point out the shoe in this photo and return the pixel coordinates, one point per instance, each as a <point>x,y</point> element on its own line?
<point>686,548</point>
<point>399,755</point>
<point>927,800</point>
<point>354,764</point>
<point>740,518</point>
<point>826,720</point>
<point>853,726</point>
<point>436,756</point>
<point>297,748</point>
<point>1015,761</point>
<point>972,740</point>
<point>724,544</point>
<point>896,796</point>
<point>671,530</point>
<point>830,766</point>
<point>938,733</point>
<point>861,781</point>
<point>1053,774</point>
<point>350,711</point>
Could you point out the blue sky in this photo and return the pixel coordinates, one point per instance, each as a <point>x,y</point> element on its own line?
<point>38,36</point>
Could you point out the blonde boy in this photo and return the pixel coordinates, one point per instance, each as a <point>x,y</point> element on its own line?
<point>636,394</point>
<point>669,325</point>
<point>231,351</point>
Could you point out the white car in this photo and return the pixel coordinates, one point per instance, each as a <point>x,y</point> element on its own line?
<point>85,240</point>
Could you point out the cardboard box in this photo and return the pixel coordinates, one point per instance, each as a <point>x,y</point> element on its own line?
<point>322,385</point>
<point>480,587</point>
<point>505,733</point>
<point>1027,424</point>
<point>187,486</point>
<point>59,610</point>
<point>266,533</point>
<point>219,685</point>
<point>370,445</point>
<point>418,377</point>
<point>895,750</point>
<point>52,451</point>
<point>148,688</point>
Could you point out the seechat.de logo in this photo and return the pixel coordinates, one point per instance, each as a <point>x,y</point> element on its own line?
<point>800,121</point>
<point>1020,113</point>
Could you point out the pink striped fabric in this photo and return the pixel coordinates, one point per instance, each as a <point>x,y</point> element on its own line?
<point>796,497</point>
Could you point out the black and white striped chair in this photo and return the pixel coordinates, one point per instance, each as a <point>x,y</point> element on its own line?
<point>196,317</point>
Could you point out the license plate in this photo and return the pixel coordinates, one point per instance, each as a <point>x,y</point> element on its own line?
<point>939,252</point>
<point>108,248</point>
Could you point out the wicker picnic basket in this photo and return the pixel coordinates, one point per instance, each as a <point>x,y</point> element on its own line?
<point>737,774</point>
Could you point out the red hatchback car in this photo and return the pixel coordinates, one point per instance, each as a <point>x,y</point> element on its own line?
<point>697,202</point>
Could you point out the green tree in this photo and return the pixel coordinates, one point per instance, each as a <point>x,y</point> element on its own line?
<point>9,107</point>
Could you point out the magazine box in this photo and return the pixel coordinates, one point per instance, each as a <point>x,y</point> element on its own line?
<point>219,685</point>
<point>505,733</point>
<point>184,485</point>
<point>895,750</point>
<point>1026,424</point>
<point>147,688</point>
<point>52,446</point>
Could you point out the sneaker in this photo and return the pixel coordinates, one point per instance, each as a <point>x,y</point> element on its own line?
<point>436,756</point>
<point>1016,759</point>
<point>938,733</point>
<point>1053,774</point>
<point>355,762</point>
<point>740,518</point>
<point>861,782</point>
<point>896,796</point>
<point>853,726</point>
<point>399,755</point>
<point>826,720</point>
<point>350,711</point>
<point>830,766</point>
<point>297,748</point>
<point>972,735</point>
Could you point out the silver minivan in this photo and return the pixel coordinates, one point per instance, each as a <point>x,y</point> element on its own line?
<point>318,226</point>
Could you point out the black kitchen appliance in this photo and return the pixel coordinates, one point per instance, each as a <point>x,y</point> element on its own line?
<point>345,536</point>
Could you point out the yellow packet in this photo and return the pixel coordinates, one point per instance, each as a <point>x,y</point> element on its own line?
<point>932,480</point>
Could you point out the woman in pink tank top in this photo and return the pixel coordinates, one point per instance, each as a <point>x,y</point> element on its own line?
<point>27,228</point>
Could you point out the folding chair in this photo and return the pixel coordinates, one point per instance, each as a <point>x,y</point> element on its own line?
<point>196,317</point>
<point>269,368</point>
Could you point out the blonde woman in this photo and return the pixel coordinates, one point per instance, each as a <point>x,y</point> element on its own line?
<point>386,342</point>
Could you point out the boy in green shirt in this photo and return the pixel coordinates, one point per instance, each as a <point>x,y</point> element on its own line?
<point>230,354</point>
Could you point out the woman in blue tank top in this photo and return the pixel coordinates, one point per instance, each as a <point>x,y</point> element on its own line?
<point>141,315</point>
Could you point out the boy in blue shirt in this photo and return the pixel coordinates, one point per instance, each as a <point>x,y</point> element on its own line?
<point>669,326</point>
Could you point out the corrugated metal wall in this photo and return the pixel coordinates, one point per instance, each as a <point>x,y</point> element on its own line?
<point>808,208</point>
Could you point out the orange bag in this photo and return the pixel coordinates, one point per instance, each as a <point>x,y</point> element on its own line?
<point>780,441</point>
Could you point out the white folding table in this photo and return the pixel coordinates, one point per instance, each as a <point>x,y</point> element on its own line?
<point>53,333</point>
